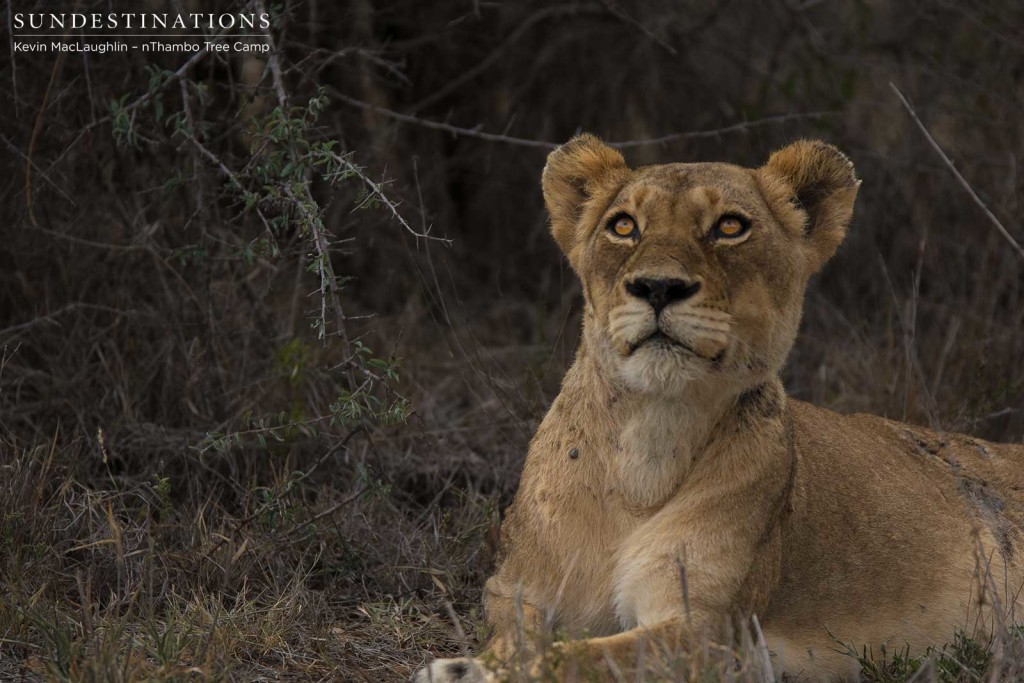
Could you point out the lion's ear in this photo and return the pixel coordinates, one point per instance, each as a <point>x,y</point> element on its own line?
<point>819,179</point>
<point>572,175</point>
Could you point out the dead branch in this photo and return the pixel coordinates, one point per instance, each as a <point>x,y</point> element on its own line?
<point>377,190</point>
<point>742,127</point>
<point>956,173</point>
<point>495,56</point>
<point>448,128</point>
<point>275,63</point>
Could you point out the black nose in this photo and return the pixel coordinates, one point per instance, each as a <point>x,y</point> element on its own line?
<point>661,293</point>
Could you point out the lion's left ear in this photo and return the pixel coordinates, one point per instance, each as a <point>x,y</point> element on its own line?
<point>818,179</point>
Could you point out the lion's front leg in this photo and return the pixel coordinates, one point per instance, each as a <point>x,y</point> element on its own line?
<point>639,650</point>
<point>643,650</point>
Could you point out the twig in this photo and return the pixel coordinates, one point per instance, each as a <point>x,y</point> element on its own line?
<point>48,317</point>
<point>146,97</point>
<point>741,127</point>
<point>459,632</point>
<point>329,290</point>
<point>762,649</point>
<point>337,506</point>
<point>11,146</point>
<point>926,673</point>
<point>242,523</point>
<point>142,99</point>
<point>275,63</point>
<point>495,56</point>
<point>216,161</point>
<point>436,125</point>
<point>14,66</point>
<point>377,189</point>
<point>6,357</point>
<point>36,128</point>
<point>963,181</point>
<point>621,14</point>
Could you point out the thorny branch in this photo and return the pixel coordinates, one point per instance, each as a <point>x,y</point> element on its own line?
<point>377,190</point>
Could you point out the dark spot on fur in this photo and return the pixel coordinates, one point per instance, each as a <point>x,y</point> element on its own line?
<point>980,491</point>
<point>574,453</point>
<point>989,506</point>
<point>986,504</point>
<point>759,402</point>
<point>925,447</point>
<point>457,670</point>
<point>983,451</point>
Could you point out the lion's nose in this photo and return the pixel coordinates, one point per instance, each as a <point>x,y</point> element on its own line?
<point>659,293</point>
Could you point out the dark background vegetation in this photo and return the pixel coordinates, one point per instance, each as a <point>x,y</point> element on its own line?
<point>195,483</point>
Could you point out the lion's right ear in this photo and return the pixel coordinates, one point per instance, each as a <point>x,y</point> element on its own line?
<point>574,173</point>
<point>816,179</point>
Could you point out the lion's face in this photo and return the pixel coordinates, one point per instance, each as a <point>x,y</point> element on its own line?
<point>706,279</point>
<point>694,271</point>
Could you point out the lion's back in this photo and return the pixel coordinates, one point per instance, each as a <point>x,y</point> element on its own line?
<point>887,528</point>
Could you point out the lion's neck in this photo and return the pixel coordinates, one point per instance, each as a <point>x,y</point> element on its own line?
<point>658,437</point>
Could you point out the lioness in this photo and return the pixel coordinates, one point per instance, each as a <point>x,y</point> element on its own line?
<point>673,487</point>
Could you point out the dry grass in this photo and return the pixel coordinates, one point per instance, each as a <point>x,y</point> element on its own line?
<point>186,491</point>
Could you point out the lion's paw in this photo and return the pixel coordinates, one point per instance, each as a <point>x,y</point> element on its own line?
<point>461,670</point>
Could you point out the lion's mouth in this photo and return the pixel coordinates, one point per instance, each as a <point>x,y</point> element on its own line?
<point>660,340</point>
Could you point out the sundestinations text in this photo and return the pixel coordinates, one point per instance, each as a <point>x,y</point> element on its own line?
<point>38,21</point>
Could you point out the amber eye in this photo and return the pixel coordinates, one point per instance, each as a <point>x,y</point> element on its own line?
<point>623,226</point>
<point>731,227</point>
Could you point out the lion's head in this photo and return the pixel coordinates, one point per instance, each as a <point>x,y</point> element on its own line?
<point>695,271</point>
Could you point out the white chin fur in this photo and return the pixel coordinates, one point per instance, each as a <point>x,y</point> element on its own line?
<point>659,369</point>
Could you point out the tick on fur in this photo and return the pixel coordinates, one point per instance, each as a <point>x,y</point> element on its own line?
<point>574,453</point>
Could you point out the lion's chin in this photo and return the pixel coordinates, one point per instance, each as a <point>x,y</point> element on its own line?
<point>660,365</point>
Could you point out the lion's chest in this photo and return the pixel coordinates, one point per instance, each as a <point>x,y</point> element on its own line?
<point>589,485</point>
<point>585,522</point>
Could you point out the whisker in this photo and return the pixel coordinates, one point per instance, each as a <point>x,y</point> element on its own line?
<point>709,313</point>
<point>629,314</point>
<point>703,324</point>
<point>620,322</point>
<point>707,325</point>
<point>628,324</point>
<point>704,332</point>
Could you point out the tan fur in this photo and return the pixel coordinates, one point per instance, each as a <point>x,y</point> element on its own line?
<point>690,460</point>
